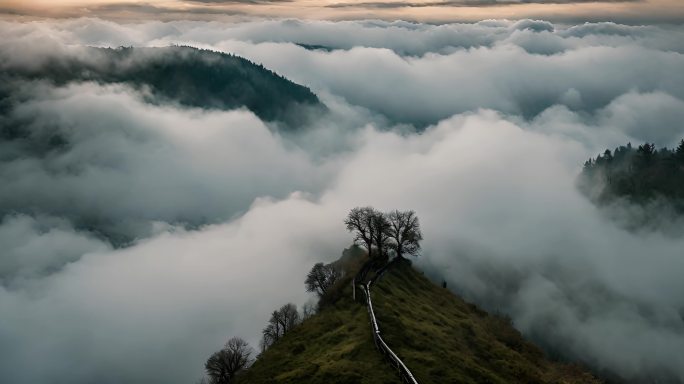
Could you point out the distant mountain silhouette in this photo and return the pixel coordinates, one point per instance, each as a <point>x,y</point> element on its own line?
<point>188,76</point>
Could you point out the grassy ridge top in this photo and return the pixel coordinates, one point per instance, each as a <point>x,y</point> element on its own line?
<point>443,339</point>
<point>440,337</point>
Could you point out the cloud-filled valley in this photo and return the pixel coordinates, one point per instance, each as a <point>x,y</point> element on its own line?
<point>139,234</point>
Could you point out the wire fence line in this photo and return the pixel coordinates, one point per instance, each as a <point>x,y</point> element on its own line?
<point>396,362</point>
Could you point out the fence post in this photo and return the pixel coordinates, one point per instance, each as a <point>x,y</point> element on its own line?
<point>354,289</point>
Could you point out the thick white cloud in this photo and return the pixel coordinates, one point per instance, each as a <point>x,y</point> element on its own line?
<point>505,78</point>
<point>32,246</point>
<point>405,38</point>
<point>126,164</point>
<point>654,117</point>
<point>153,312</point>
<point>494,189</point>
<point>418,73</point>
<point>503,223</point>
<point>505,226</point>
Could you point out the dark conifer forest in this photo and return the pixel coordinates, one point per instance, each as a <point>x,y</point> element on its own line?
<point>639,175</point>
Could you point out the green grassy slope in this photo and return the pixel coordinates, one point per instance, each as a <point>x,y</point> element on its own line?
<point>334,346</point>
<point>443,339</point>
<point>440,337</point>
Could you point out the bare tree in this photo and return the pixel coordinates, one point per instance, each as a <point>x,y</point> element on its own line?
<point>360,222</point>
<point>381,227</point>
<point>270,335</point>
<point>309,309</point>
<point>404,231</point>
<point>281,322</point>
<point>289,317</point>
<point>223,365</point>
<point>321,277</point>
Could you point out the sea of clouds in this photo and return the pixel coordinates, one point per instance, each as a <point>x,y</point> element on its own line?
<point>481,128</point>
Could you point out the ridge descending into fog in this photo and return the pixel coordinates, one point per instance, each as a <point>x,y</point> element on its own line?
<point>440,336</point>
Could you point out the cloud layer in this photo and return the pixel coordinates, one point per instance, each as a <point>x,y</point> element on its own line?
<point>125,164</point>
<point>229,215</point>
<point>624,11</point>
<point>465,3</point>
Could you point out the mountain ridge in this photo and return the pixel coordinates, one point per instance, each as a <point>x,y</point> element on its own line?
<point>336,345</point>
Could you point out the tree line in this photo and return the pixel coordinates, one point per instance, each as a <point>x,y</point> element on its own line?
<point>637,174</point>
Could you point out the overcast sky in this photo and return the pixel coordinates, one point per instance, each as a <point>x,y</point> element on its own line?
<point>626,11</point>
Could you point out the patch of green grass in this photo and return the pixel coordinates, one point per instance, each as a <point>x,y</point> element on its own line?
<point>333,346</point>
<point>443,339</point>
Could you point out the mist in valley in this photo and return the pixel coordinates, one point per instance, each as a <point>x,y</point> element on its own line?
<point>139,232</point>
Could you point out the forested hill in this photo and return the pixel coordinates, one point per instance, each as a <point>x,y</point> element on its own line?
<point>185,75</point>
<point>638,174</point>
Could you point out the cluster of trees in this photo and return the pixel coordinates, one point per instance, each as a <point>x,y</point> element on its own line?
<point>281,322</point>
<point>638,174</point>
<point>395,232</point>
<point>225,365</point>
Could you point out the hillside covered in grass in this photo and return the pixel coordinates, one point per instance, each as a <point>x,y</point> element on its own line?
<point>333,346</point>
<point>441,338</point>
